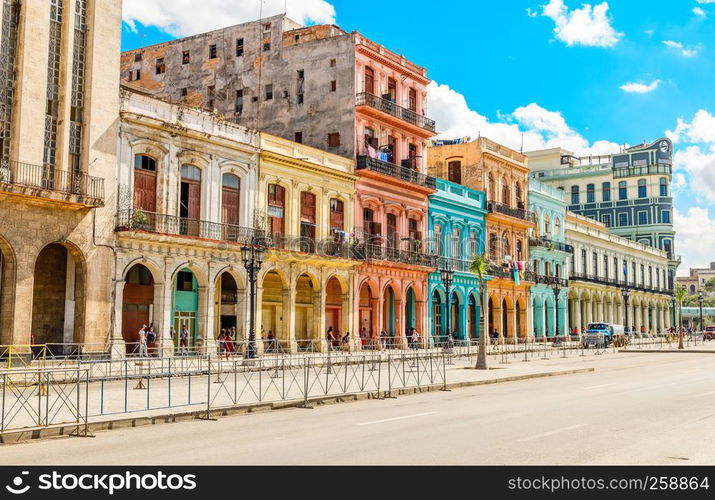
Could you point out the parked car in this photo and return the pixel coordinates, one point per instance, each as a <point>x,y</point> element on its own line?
<point>709,333</point>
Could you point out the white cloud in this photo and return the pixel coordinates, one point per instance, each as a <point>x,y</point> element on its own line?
<point>684,51</point>
<point>538,127</point>
<point>697,163</point>
<point>589,26</point>
<point>531,13</point>
<point>695,237</point>
<point>700,130</point>
<point>705,1</point>
<point>640,88</point>
<point>699,12</point>
<point>187,17</point>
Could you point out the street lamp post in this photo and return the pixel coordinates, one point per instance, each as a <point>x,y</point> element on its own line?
<point>253,256</point>
<point>556,287</point>
<point>626,297</point>
<point>701,299</point>
<point>447,275</point>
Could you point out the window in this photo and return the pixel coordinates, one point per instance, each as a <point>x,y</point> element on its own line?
<point>492,246</point>
<point>276,208</point>
<point>160,66</point>
<point>606,219</point>
<point>412,100</point>
<point>634,272</point>
<point>213,52</point>
<point>547,268</point>
<point>300,87</point>
<point>622,190</point>
<point>663,186</point>
<point>537,269</point>
<point>456,244</point>
<point>135,75</point>
<point>605,266</point>
<point>298,137</point>
<point>186,57</point>
<point>238,107</point>
<point>505,193</point>
<point>583,262</point>
<point>333,63</point>
<point>334,139</point>
<point>615,268</point>
<point>665,217</point>
<point>239,47</point>
<point>518,250</point>
<point>454,173</point>
<point>333,85</point>
<point>595,264</point>
<point>184,281</point>
<point>642,188</point>
<point>473,244</point>
<point>590,193</point>
<point>667,244</point>
<point>622,219</point>
<point>337,214</point>
<point>642,218</point>
<point>369,80</point>
<point>266,37</point>
<point>138,57</point>
<point>143,162</point>
<point>438,239</point>
<point>269,92</point>
<point>184,92</point>
<point>547,225</point>
<point>307,216</point>
<point>557,226</point>
<point>642,274</point>
<point>574,195</point>
<point>517,192</point>
<point>606,188</point>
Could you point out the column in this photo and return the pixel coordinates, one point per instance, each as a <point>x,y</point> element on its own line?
<point>288,314</point>
<point>206,324</point>
<point>319,337</point>
<point>117,346</point>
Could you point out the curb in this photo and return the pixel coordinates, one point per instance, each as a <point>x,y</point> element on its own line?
<point>66,430</point>
<point>679,351</point>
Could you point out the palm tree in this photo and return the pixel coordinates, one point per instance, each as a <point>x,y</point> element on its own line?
<point>479,266</point>
<point>680,293</point>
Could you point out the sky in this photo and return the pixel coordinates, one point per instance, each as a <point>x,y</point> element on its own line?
<point>588,77</point>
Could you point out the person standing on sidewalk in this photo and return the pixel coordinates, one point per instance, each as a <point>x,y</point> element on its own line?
<point>143,352</point>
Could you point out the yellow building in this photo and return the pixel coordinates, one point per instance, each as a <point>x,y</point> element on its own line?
<point>306,198</point>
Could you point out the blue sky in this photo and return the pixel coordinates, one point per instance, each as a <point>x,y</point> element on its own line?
<point>585,76</point>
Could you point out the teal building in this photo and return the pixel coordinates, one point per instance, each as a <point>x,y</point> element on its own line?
<point>550,256</point>
<point>457,233</point>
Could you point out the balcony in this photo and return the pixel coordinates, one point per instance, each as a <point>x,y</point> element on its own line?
<point>623,284</point>
<point>639,171</point>
<point>551,280</point>
<point>458,265</point>
<point>46,181</point>
<point>392,109</point>
<point>396,171</point>
<point>518,213</point>
<point>366,246</point>
<point>505,273</point>
<point>550,244</point>
<point>138,220</point>
<point>675,258</point>
<point>329,247</point>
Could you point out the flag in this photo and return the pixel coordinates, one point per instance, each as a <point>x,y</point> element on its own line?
<point>515,273</point>
<point>625,268</point>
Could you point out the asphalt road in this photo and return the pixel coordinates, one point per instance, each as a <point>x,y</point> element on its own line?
<point>635,409</point>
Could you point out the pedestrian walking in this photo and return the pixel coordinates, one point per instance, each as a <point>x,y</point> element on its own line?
<point>184,339</point>
<point>142,342</point>
<point>329,338</point>
<point>383,338</point>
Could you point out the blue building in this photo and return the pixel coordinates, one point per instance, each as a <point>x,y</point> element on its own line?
<point>549,255</point>
<point>457,229</point>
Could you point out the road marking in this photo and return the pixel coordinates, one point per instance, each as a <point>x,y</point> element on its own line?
<point>705,394</point>
<point>551,433</point>
<point>599,386</point>
<point>398,418</point>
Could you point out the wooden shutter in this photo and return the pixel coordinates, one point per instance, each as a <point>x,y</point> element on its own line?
<point>455,172</point>
<point>337,217</point>
<point>307,207</point>
<point>230,199</point>
<point>144,190</point>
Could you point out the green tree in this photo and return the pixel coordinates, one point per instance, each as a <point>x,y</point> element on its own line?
<point>680,294</point>
<point>710,285</point>
<point>480,266</point>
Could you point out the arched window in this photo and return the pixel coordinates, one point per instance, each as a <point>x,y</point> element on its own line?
<point>190,202</point>
<point>276,210</point>
<point>505,193</point>
<point>492,246</point>
<point>519,255</point>
<point>369,80</point>
<point>507,244</point>
<point>547,267</point>
<point>519,200</point>
<point>537,225</point>
<point>230,199</point>
<point>456,243</point>
<point>438,239</point>
<point>558,270</point>
<point>557,226</point>
<point>308,214</point>
<point>492,194</point>
<point>144,183</point>
<point>663,186</point>
<point>547,225</point>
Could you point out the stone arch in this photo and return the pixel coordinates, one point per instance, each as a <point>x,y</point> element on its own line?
<point>521,317</point>
<point>8,282</point>
<point>59,295</point>
<point>154,268</point>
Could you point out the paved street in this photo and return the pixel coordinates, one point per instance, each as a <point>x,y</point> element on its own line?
<point>635,409</point>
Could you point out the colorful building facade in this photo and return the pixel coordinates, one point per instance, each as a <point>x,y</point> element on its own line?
<point>305,286</point>
<point>501,173</point>
<point>457,230</point>
<point>550,256</point>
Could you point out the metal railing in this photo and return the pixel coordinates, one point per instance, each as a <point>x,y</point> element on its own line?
<point>518,213</point>
<point>627,284</point>
<point>139,220</point>
<point>366,246</point>
<point>50,178</point>
<point>550,244</point>
<point>459,265</point>
<point>551,280</point>
<point>393,109</point>
<point>396,171</point>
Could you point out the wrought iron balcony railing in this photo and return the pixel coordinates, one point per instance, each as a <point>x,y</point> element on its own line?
<point>367,246</point>
<point>506,273</point>
<point>519,213</point>
<point>50,178</point>
<point>551,280</point>
<point>458,265</point>
<point>393,109</point>
<point>623,284</point>
<point>139,220</point>
<point>396,171</point>
<point>550,244</point>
